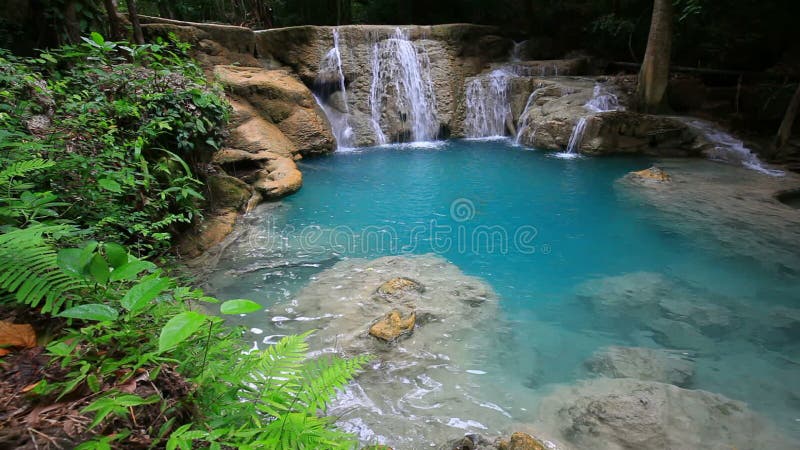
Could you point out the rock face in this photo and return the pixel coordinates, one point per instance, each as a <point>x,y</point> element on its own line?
<point>558,104</point>
<point>624,413</point>
<point>645,364</point>
<point>280,104</point>
<point>521,441</point>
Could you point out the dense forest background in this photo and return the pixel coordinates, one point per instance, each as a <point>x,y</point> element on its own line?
<point>742,35</point>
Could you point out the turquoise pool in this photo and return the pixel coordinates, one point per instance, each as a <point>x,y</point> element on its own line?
<point>579,257</point>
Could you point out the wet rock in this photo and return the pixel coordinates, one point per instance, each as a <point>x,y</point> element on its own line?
<point>393,326</point>
<point>214,228</point>
<point>397,286</point>
<point>653,174</point>
<point>623,413</point>
<point>559,105</point>
<point>666,366</point>
<point>253,133</point>
<point>469,442</point>
<point>225,191</point>
<point>521,441</point>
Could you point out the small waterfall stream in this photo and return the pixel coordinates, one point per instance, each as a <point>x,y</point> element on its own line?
<point>330,91</point>
<point>728,148</point>
<point>488,107</point>
<point>525,118</point>
<point>601,101</point>
<point>401,72</point>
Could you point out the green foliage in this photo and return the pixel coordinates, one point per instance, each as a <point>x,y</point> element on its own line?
<point>270,399</point>
<point>118,110</point>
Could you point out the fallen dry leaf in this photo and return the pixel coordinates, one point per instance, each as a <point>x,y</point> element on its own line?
<point>30,386</point>
<point>17,335</point>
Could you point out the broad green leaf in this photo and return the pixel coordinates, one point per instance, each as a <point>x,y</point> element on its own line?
<point>99,269</point>
<point>69,260</point>
<point>131,270</point>
<point>110,185</point>
<point>179,328</point>
<point>92,311</point>
<point>141,294</point>
<point>98,38</point>
<point>117,255</point>
<point>239,306</point>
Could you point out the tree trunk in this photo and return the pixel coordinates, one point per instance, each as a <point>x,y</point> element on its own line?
<point>115,32</point>
<point>785,131</point>
<point>654,73</point>
<point>71,24</point>
<point>138,37</point>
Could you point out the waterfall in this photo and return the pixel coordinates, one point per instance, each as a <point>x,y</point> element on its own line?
<point>525,118</point>
<point>402,73</point>
<point>488,107</point>
<point>600,101</point>
<point>516,51</point>
<point>330,82</point>
<point>729,149</point>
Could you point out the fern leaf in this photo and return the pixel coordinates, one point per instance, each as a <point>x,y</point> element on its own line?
<point>21,168</point>
<point>29,270</point>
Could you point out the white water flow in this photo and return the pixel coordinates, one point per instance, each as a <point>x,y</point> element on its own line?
<point>728,148</point>
<point>601,101</point>
<point>516,51</point>
<point>331,94</point>
<point>488,107</point>
<point>525,118</point>
<point>401,85</point>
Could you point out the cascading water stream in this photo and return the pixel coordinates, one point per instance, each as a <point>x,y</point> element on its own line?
<point>402,73</point>
<point>525,118</point>
<point>488,107</point>
<point>330,82</point>
<point>601,101</point>
<point>729,149</point>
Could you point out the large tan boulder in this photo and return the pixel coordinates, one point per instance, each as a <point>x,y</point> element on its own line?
<point>279,104</point>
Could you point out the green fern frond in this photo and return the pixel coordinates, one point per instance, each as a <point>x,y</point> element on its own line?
<point>324,376</point>
<point>29,269</point>
<point>21,168</point>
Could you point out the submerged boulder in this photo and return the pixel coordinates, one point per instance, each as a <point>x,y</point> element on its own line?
<point>623,413</point>
<point>397,286</point>
<point>648,364</point>
<point>653,174</point>
<point>393,326</point>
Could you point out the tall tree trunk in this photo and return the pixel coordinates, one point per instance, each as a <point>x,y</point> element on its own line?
<point>138,37</point>
<point>785,130</point>
<point>71,24</point>
<point>113,20</point>
<point>654,73</point>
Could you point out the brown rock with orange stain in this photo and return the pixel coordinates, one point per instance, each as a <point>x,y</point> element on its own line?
<point>521,441</point>
<point>393,326</point>
<point>652,174</point>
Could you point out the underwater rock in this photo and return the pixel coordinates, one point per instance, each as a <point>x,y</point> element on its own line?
<point>521,441</point>
<point>702,315</point>
<point>397,286</point>
<point>653,174</point>
<point>681,335</point>
<point>635,293</point>
<point>393,326</point>
<point>647,364</point>
<point>469,442</point>
<point>623,413</point>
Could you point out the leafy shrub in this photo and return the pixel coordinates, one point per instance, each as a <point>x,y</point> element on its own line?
<point>127,128</point>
